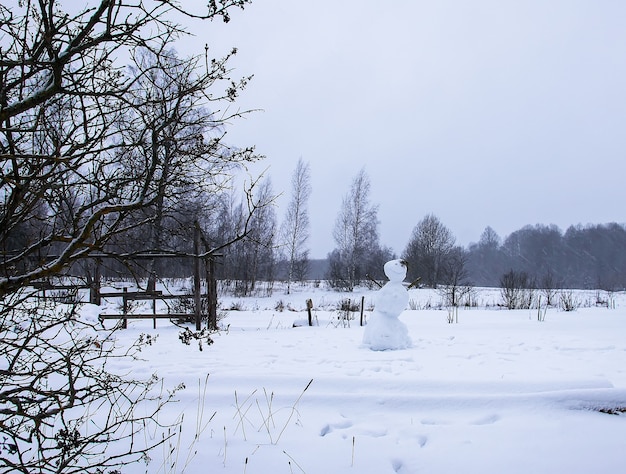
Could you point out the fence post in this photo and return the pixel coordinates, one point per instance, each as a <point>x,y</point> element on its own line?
<point>94,287</point>
<point>309,307</point>
<point>154,311</point>
<point>125,307</point>
<point>212,294</point>
<point>362,307</point>
<point>197,297</point>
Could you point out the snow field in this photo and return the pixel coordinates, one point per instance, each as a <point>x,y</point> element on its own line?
<point>497,392</point>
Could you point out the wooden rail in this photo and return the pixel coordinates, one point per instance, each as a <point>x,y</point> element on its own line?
<point>207,258</point>
<point>145,296</point>
<point>46,285</point>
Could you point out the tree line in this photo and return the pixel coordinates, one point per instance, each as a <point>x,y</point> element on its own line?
<point>590,256</point>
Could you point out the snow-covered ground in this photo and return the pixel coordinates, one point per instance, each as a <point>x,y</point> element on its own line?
<point>499,391</point>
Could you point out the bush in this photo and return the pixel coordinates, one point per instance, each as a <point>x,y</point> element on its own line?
<point>186,304</point>
<point>517,290</point>
<point>568,301</point>
<point>63,408</point>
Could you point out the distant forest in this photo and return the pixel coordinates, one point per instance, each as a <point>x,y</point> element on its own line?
<point>588,257</point>
<point>540,256</point>
<point>592,256</point>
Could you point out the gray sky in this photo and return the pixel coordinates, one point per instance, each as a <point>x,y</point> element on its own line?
<point>500,113</point>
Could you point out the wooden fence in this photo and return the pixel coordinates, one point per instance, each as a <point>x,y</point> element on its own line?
<point>207,260</point>
<point>146,296</point>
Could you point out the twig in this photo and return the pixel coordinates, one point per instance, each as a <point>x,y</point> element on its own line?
<point>413,283</point>
<point>353,441</point>
<point>225,445</point>
<point>373,280</point>
<point>242,416</point>
<point>294,461</point>
<point>200,428</point>
<point>293,410</point>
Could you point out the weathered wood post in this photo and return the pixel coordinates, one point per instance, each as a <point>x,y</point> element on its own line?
<point>125,307</point>
<point>94,285</point>
<point>212,294</point>
<point>362,308</point>
<point>309,307</point>
<point>154,311</point>
<point>197,297</point>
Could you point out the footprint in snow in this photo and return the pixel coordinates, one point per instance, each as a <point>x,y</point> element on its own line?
<point>433,421</point>
<point>397,465</point>
<point>330,427</point>
<point>421,440</point>
<point>486,420</point>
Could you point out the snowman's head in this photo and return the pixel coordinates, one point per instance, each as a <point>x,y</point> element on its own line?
<point>395,270</point>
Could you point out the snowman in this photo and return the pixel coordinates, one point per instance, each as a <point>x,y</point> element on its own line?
<point>385,331</point>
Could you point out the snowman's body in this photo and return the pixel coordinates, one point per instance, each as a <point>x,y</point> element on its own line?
<point>384,330</point>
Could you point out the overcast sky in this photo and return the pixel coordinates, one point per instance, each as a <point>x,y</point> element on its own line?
<point>500,113</point>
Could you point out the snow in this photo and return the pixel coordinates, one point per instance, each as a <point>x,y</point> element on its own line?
<point>497,392</point>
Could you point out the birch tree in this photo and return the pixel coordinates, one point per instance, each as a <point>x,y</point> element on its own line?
<point>295,231</point>
<point>355,234</point>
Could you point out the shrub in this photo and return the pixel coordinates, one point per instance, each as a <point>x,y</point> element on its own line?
<point>568,301</point>
<point>517,290</point>
<point>63,409</point>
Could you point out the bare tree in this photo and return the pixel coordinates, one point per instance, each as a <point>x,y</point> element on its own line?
<point>71,181</point>
<point>454,277</point>
<point>63,98</point>
<point>171,126</point>
<point>486,261</point>
<point>355,234</point>
<point>549,287</point>
<point>295,230</point>
<point>489,239</point>
<point>430,244</point>
<point>517,289</point>
<point>251,258</point>
<point>261,239</point>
